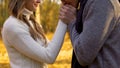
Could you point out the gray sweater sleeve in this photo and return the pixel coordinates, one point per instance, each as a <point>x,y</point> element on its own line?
<point>97,25</point>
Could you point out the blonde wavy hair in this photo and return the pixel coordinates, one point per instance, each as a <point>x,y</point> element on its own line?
<point>15,8</point>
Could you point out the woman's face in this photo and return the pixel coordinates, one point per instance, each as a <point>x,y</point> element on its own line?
<point>32,4</point>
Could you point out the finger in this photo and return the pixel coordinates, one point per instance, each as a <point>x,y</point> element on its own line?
<point>63,15</point>
<point>63,19</point>
<point>60,8</point>
<point>71,8</point>
<point>64,10</point>
<point>67,19</point>
<point>66,7</point>
<point>67,12</point>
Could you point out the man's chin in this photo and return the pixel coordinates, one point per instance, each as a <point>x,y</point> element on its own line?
<point>69,2</point>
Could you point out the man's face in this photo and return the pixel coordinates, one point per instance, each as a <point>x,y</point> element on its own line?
<point>70,2</point>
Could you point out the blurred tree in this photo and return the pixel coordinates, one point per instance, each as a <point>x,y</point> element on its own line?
<point>3,12</point>
<point>37,14</point>
<point>49,10</point>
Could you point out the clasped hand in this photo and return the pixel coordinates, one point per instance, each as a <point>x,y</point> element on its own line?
<point>67,13</point>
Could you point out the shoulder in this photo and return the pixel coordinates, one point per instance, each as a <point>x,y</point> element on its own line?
<point>104,3</point>
<point>14,25</point>
<point>102,6</point>
<point>12,22</point>
<point>98,6</point>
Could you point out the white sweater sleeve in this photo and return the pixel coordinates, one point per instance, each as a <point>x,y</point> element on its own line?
<point>22,41</point>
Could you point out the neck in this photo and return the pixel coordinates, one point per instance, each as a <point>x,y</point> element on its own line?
<point>27,13</point>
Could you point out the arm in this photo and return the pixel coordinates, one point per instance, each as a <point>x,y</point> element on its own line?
<point>22,41</point>
<point>97,26</point>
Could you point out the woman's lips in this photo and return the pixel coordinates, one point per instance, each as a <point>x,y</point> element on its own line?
<point>35,5</point>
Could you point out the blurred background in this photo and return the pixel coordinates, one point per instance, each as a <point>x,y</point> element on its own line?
<point>47,15</point>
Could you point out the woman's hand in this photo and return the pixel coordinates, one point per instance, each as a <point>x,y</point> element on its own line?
<point>67,13</point>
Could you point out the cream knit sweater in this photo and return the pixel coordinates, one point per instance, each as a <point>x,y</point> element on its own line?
<point>23,50</point>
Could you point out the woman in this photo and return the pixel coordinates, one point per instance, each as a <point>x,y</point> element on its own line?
<point>95,34</point>
<point>24,38</point>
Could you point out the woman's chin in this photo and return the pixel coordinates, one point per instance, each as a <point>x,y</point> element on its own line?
<point>35,8</point>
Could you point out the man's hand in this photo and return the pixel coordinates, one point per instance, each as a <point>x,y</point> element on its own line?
<point>67,13</point>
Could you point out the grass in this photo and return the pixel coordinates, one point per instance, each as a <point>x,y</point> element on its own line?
<point>63,59</point>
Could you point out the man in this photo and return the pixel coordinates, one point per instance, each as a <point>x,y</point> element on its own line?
<point>75,4</point>
<point>95,33</point>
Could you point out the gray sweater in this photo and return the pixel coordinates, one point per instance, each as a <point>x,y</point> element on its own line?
<point>98,46</point>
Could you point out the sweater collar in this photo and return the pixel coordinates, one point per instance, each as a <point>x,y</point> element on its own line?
<point>27,13</point>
